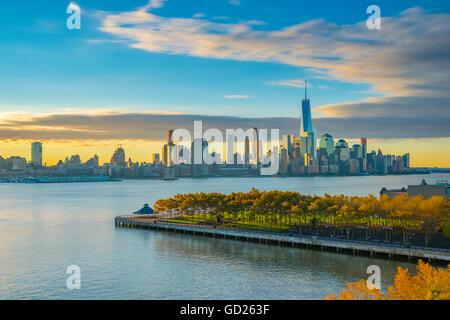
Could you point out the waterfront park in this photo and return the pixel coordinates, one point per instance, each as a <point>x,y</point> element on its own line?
<point>401,220</point>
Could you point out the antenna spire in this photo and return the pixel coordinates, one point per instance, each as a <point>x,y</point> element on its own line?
<point>306,94</point>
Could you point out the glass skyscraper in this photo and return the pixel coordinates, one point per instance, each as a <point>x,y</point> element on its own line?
<point>36,153</point>
<point>306,124</point>
<point>306,128</point>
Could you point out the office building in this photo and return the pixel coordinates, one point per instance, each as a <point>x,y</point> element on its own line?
<point>286,142</point>
<point>247,151</point>
<point>406,160</point>
<point>342,150</point>
<point>356,152</point>
<point>118,158</point>
<point>156,158</point>
<point>36,153</point>
<point>326,143</point>
<point>17,163</point>
<point>364,147</point>
<point>199,148</point>
<point>255,148</point>
<point>307,144</point>
<point>169,151</point>
<point>440,188</point>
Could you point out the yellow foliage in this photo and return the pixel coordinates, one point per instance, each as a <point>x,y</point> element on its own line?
<point>357,291</point>
<point>428,284</point>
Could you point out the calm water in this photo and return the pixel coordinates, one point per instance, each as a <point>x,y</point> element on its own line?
<point>46,227</point>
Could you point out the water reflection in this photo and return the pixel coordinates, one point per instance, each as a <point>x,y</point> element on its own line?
<point>263,257</point>
<point>46,227</point>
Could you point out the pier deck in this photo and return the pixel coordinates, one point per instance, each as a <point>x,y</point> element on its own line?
<point>293,240</point>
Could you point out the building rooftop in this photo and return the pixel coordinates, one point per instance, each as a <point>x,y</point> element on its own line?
<point>145,210</point>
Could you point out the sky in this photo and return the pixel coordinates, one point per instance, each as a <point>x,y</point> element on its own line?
<point>138,68</point>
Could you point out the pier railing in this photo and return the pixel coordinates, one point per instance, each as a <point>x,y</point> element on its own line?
<point>347,244</point>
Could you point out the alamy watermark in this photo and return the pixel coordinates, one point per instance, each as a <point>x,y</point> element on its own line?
<point>374,280</point>
<point>73,282</point>
<point>253,141</point>
<point>374,21</point>
<point>74,20</point>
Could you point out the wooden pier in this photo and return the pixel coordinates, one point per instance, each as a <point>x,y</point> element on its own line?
<point>304,241</point>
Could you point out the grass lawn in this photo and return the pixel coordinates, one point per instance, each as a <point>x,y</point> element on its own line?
<point>281,223</point>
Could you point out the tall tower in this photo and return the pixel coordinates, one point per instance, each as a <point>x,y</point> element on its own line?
<point>256,146</point>
<point>364,154</point>
<point>364,147</point>
<point>305,121</point>
<point>36,153</point>
<point>306,129</point>
<point>168,150</point>
<point>247,151</point>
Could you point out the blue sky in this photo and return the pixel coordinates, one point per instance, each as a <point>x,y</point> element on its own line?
<point>192,57</point>
<point>46,67</point>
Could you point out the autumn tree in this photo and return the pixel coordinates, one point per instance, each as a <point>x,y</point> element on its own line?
<point>428,284</point>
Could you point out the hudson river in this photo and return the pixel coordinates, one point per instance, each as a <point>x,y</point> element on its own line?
<point>44,228</point>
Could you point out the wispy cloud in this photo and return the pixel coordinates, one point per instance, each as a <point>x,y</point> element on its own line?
<point>199,15</point>
<point>235,2</point>
<point>296,83</point>
<point>406,57</point>
<point>146,126</point>
<point>237,96</point>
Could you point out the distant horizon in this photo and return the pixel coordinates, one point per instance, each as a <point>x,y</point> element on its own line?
<point>106,159</point>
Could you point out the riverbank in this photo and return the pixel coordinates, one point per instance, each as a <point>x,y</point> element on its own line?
<point>293,240</point>
<point>57,179</point>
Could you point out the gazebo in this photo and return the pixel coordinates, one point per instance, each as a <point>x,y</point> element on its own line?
<point>145,210</point>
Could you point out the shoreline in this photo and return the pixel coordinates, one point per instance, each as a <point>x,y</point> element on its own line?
<point>69,179</point>
<point>354,247</point>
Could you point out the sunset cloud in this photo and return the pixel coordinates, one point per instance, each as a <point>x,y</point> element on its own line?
<point>407,57</point>
<point>153,126</point>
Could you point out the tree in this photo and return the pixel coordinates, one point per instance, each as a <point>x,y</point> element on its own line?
<point>282,209</point>
<point>428,284</point>
<point>446,227</point>
<point>357,291</point>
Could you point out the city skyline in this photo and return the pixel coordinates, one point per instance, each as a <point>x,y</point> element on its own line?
<point>129,74</point>
<point>142,152</point>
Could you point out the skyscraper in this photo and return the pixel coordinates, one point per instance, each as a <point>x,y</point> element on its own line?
<point>305,121</point>
<point>342,150</point>
<point>327,143</point>
<point>199,148</point>
<point>155,158</point>
<point>36,153</point>
<point>247,151</point>
<point>286,142</point>
<point>306,128</point>
<point>356,152</point>
<point>364,154</point>
<point>168,151</point>
<point>307,144</point>
<point>364,147</point>
<point>118,158</point>
<point>256,147</point>
<point>406,160</point>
